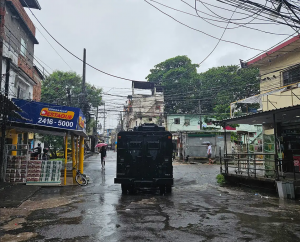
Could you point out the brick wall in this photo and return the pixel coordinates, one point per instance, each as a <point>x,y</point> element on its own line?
<point>37,89</point>
<point>2,14</point>
<point>19,33</point>
<point>23,64</point>
<point>24,15</point>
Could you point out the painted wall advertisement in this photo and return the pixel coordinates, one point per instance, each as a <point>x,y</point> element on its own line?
<point>51,115</point>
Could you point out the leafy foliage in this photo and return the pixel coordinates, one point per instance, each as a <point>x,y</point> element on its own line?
<point>65,88</point>
<point>234,136</point>
<point>217,87</point>
<point>227,84</point>
<point>53,141</point>
<point>179,78</point>
<point>220,179</point>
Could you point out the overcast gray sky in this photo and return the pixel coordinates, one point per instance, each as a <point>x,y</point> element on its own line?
<point>128,37</point>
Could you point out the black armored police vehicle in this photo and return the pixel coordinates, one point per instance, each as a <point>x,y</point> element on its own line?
<point>144,159</point>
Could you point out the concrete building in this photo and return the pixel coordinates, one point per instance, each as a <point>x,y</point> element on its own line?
<point>19,39</point>
<point>279,69</point>
<point>186,131</point>
<point>144,108</point>
<point>279,115</point>
<point>37,88</point>
<point>18,48</point>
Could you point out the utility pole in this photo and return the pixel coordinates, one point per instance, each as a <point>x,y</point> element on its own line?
<point>121,120</point>
<point>69,96</point>
<point>95,132</point>
<point>97,119</point>
<point>104,120</point>
<point>200,111</point>
<point>83,72</point>
<point>82,95</point>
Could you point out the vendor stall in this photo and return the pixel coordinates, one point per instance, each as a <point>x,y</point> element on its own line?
<point>50,119</point>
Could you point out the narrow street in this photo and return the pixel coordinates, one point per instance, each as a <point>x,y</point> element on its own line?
<point>198,210</point>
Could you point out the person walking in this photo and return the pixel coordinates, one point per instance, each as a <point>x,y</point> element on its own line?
<point>103,155</point>
<point>210,161</point>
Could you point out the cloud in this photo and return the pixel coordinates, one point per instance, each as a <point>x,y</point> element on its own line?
<point>127,38</point>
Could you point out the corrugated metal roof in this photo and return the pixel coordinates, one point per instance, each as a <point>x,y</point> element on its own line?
<point>281,115</point>
<point>31,3</point>
<point>11,108</point>
<point>282,48</point>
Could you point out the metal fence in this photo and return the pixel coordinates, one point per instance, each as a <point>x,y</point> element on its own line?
<point>259,165</point>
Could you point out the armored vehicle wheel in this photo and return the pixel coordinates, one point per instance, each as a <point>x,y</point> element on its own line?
<point>162,189</point>
<point>124,188</point>
<point>168,189</point>
<point>132,191</point>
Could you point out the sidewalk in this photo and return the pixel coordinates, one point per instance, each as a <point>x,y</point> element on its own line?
<point>197,160</point>
<point>13,195</point>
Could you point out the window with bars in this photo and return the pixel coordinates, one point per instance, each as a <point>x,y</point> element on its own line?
<point>187,121</point>
<point>176,120</point>
<point>291,76</point>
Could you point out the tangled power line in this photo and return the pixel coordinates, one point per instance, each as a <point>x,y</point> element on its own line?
<point>229,15</point>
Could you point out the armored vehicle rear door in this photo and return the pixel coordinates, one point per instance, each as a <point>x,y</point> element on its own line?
<point>144,149</point>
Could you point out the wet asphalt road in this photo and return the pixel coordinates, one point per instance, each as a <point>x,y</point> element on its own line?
<point>197,210</point>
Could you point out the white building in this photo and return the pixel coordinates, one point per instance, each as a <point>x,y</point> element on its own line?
<point>144,108</point>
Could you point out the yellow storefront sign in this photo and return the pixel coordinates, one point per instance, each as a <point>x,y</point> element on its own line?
<point>81,122</point>
<point>53,113</point>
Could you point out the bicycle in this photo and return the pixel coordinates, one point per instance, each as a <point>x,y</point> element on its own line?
<point>80,178</point>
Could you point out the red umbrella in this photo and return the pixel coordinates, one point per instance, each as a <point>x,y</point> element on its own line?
<point>100,145</point>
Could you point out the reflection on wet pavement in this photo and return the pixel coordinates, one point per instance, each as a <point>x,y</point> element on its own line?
<point>197,210</point>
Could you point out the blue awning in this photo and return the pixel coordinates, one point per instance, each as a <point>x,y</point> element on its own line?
<point>49,117</point>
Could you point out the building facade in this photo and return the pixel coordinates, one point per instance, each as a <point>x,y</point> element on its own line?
<point>191,140</point>
<point>279,112</point>
<point>144,108</point>
<point>279,70</point>
<point>37,88</point>
<point>18,33</point>
<point>191,123</point>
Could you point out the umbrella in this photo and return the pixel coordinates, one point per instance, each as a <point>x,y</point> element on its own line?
<point>100,145</point>
<point>205,142</point>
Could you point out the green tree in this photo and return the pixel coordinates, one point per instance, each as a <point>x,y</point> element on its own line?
<point>216,88</point>
<point>179,78</point>
<point>55,142</point>
<point>64,88</point>
<point>226,84</point>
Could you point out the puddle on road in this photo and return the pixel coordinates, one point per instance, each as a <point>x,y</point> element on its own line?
<point>18,238</point>
<point>15,218</point>
<point>44,204</point>
<point>150,201</point>
<point>14,224</point>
